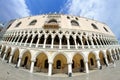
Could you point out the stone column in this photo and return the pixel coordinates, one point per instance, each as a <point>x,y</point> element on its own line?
<point>104,42</point>
<point>19,61</point>
<point>86,66</point>
<point>69,69</point>
<point>37,41</point>
<point>31,41</point>
<point>18,40</point>
<point>106,61</point>
<point>96,42</point>
<point>81,42</point>
<point>52,43</point>
<point>32,66</point>
<point>98,63</point>
<point>4,56</point>
<point>10,58</point>
<point>26,41</point>
<point>60,45</point>
<point>44,42</point>
<point>91,40</point>
<point>100,42</point>
<point>68,42</point>
<point>75,42</point>
<point>15,39</point>
<point>21,40</point>
<point>60,41</point>
<point>12,39</point>
<point>50,69</point>
<point>87,43</point>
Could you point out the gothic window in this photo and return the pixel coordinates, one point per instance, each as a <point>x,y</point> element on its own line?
<point>94,26</point>
<point>33,22</point>
<point>52,21</point>
<point>105,29</point>
<point>18,24</point>
<point>74,23</point>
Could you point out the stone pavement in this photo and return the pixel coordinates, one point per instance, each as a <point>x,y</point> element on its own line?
<point>9,72</point>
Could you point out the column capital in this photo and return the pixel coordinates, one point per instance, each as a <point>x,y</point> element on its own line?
<point>85,61</point>
<point>69,63</point>
<point>50,62</point>
<point>67,36</point>
<point>98,59</point>
<point>33,60</point>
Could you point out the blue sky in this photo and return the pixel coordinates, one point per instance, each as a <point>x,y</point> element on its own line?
<point>107,11</point>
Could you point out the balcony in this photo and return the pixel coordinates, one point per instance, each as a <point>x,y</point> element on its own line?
<point>51,26</point>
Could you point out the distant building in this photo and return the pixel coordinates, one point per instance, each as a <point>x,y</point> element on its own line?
<point>57,43</point>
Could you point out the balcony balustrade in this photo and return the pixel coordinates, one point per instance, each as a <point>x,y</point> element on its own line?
<point>79,46</point>
<point>72,46</point>
<point>48,46</point>
<point>22,44</point>
<point>27,44</point>
<point>64,47</point>
<point>86,46</point>
<point>33,45</point>
<point>56,46</point>
<point>40,45</point>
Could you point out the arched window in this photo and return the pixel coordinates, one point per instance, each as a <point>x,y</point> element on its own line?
<point>49,39</point>
<point>56,40</point>
<point>105,29</point>
<point>18,24</point>
<point>52,21</point>
<point>94,26</point>
<point>33,22</point>
<point>71,40</point>
<point>41,41</point>
<point>74,23</point>
<point>9,25</point>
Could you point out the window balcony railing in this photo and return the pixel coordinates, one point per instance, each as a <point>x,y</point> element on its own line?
<point>72,46</point>
<point>27,44</point>
<point>64,47</point>
<point>40,45</point>
<point>86,46</point>
<point>48,46</point>
<point>79,46</point>
<point>33,45</point>
<point>56,46</point>
<point>22,44</point>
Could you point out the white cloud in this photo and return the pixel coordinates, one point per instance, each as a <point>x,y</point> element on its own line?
<point>11,9</point>
<point>103,10</point>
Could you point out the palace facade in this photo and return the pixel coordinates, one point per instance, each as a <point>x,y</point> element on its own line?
<point>57,43</point>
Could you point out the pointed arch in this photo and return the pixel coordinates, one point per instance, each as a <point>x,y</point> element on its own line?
<point>42,38</point>
<point>71,40</point>
<point>56,40</point>
<point>92,60</point>
<point>64,40</point>
<point>49,39</point>
<point>35,39</point>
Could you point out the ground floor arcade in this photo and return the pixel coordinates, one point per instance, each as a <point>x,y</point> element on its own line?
<point>53,62</point>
